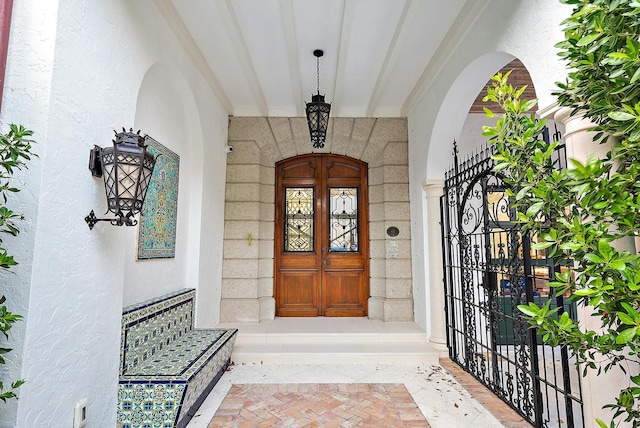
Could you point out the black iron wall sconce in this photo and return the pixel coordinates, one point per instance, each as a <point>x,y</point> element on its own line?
<point>127,168</point>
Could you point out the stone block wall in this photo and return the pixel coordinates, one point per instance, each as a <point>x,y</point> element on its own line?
<point>259,142</point>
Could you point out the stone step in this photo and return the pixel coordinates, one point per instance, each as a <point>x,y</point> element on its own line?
<point>326,340</point>
<point>246,338</point>
<point>336,352</point>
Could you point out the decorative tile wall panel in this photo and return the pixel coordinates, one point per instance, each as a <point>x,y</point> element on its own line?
<point>158,219</point>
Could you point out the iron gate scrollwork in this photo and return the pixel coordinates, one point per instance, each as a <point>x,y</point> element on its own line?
<point>490,269</point>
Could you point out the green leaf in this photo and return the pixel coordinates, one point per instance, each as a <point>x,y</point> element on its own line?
<point>489,131</point>
<point>621,116</point>
<point>565,321</point>
<point>522,192</point>
<point>635,76</point>
<point>588,39</point>
<point>586,9</point>
<point>585,292</point>
<point>593,258</point>
<point>535,208</point>
<point>618,55</point>
<point>604,248</point>
<point>626,319</point>
<point>630,310</point>
<point>488,113</point>
<point>529,105</point>
<point>618,265</point>
<point>626,335</point>
<point>542,245</point>
<point>529,310</point>
<point>501,166</point>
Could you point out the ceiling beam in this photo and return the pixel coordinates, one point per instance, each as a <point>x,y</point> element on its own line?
<point>470,12</point>
<point>399,36</point>
<point>230,20</point>
<point>175,23</point>
<point>286,7</point>
<point>348,13</point>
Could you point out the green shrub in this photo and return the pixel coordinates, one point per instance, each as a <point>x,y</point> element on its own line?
<point>580,213</point>
<point>15,150</point>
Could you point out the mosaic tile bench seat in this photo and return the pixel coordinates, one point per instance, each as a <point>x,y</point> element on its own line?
<point>167,367</point>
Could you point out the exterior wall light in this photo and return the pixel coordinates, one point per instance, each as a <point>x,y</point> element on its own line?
<point>127,168</point>
<point>318,111</point>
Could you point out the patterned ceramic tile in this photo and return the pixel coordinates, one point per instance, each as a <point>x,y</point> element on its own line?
<point>200,382</point>
<point>141,318</point>
<point>146,340</point>
<point>171,366</point>
<point>189,293</point>
<point>166,365</point>
<point>148,405</point>
<point>174,358</point>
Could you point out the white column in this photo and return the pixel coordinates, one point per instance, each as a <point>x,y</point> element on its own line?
<point>437,336</point>
<point>596,390</point>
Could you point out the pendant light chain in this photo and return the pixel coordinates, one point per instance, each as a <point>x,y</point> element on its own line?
<point>318,73</point>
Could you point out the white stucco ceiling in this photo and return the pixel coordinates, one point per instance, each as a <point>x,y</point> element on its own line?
<point>380,55</point>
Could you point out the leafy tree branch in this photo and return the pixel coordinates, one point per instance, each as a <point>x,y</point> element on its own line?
<point>583,212</point>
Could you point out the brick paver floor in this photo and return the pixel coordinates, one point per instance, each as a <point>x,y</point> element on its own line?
<point>505,414</point>
<point>318,405</point>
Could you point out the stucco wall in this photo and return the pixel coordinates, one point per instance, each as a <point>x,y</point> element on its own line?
<point>28,77</point>
<point>247,284</point>
<point>76,71</point>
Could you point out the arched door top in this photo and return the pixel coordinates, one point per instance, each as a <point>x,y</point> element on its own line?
<point>321,236</point>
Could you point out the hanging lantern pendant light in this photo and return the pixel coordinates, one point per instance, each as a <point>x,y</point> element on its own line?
<point>318,111</point>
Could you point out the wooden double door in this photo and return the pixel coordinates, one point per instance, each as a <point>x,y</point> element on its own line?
<point>321,237</point>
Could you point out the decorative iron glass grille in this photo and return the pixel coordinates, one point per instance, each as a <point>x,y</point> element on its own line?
<point>343,219</point>
<point>299,221</point>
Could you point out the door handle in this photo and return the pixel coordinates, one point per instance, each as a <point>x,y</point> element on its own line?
<point>326,262</point>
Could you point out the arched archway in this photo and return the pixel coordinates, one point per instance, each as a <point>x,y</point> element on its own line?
<point>166,110</point>
<point>490,268</point>
<point>455,107</point>
<point>431,162</point>
<point>470,138</point>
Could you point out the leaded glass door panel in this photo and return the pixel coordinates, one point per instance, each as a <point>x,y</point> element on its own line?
<point>321,236</point>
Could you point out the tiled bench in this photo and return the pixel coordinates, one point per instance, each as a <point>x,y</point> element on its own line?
<point>167,367</point>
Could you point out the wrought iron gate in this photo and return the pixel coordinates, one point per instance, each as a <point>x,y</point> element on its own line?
<point>490,269</point>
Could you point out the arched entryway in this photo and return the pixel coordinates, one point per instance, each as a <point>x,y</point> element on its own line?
<point>248,272</point>
<point>490,268</point>
<point>321,236</point>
